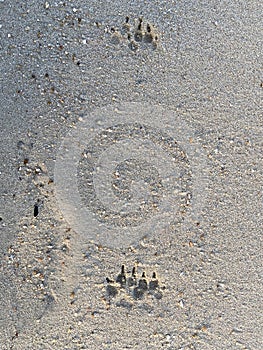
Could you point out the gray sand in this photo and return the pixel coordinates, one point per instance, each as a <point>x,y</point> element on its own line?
<point>138,142</point>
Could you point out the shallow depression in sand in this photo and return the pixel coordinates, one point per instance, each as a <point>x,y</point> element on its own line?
<point>127,171</point>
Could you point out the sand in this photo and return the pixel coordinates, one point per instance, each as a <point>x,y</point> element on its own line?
<point>131,175</point>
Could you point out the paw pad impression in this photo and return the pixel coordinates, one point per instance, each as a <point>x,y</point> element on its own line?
<point>139,34</point>
<point>132,286</point>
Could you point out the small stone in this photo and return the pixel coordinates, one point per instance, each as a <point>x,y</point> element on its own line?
<point>181,303</point>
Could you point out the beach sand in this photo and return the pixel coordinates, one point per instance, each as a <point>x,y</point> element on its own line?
<point>131,175</point>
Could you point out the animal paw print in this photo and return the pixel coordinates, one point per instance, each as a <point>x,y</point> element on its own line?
<point>141,34</point>
<point>134,287</point>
